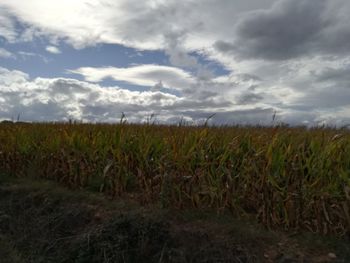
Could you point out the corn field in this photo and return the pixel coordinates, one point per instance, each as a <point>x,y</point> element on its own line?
<point>291,178</point>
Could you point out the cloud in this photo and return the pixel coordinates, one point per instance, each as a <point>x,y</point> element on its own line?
<point>290,29</point>
<point>7,26</point>
<point>285,55</point>
<point>328,89</point>
<point>249,29</point>
<point>6,54</point>
<point>143,75</point>
<point>201,88</point>
<point>249,98</point>
<point>178,56</point>
<point>24,55</point>
<point>44,99</point>
<point>53,50</point>
<point>286,30</point>
<point>340,75</point>
<point>57,99</point>
<point>143,25</point>
<point>266,29</point>
<point>9,77</point>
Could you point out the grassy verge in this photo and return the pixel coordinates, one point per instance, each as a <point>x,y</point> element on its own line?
<point>43,222</point>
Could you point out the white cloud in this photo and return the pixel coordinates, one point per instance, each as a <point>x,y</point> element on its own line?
<point>24,55</point>
<point>7,77</point>
<point>6,54</point>
<point>45,99</point>
<point>144,24</point>
<point>143,75</point>
<point>53,50</point>
<point>7,26</point>
<point>56,99</point>
<point>188,25</point>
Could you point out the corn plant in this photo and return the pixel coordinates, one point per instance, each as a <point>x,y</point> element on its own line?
<point>295,178</point>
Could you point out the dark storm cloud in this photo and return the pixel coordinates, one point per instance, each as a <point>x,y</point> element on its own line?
<point>290,29</point>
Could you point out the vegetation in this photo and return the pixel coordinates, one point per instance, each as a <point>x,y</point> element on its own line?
<point>292,178</point>
<point>41,222</point>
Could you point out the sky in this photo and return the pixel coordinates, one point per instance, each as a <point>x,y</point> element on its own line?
<point>244,61</point>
